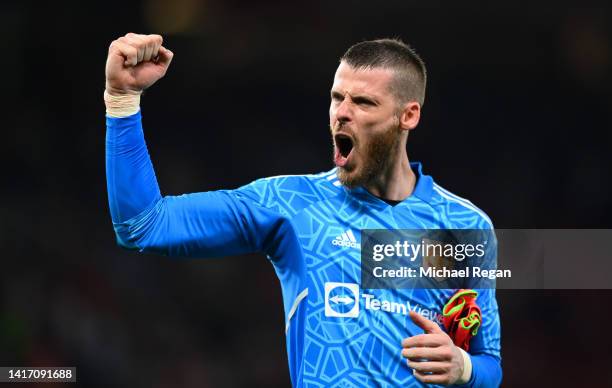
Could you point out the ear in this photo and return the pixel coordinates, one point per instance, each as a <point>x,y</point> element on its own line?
<point>410,115</point>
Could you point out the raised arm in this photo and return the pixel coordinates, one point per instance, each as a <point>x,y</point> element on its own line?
<point>215,223</point>
<point>134,63</point>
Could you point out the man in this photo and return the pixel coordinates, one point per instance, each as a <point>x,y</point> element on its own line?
<point>309,225</point>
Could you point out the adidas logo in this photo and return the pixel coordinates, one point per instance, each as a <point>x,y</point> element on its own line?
<point>346,239</point>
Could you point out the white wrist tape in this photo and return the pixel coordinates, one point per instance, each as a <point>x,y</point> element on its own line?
<point>121,106</point>
<point>467,368</point>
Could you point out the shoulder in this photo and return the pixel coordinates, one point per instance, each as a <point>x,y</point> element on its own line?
<point>459,212</point>
<point>302,183</point>
<point>292,192</point>
<point>446,209</point>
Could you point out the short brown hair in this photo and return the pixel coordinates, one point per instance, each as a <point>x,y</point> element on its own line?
<point>410,72</point>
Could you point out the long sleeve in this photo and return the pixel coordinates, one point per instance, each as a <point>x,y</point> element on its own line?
<point>208,224</point>
<point>485,346</point>
<point>486,371</point>
<point>131,183</point>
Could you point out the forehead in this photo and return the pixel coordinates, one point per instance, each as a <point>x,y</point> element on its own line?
<point>375,81</point>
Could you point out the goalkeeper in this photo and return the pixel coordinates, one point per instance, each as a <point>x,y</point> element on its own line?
<point>309,225</point>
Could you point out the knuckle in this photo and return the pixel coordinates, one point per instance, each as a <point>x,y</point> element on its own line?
<point>136,43</point>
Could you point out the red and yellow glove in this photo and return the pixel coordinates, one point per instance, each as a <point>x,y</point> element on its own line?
<point>462,317</point>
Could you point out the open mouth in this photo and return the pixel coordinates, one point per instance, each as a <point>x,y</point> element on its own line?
<point>344,146</point>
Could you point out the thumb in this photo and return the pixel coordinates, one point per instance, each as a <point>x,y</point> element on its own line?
<point>164,57</point>
<point>430,327</point>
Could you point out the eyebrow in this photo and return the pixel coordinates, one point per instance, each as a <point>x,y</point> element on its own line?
<point>357,97</point>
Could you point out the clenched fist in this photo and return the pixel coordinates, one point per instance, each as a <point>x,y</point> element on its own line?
<point>135,62</point>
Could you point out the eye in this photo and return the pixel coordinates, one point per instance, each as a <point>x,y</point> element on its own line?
<point>364,101</point>
<point>337,97</point>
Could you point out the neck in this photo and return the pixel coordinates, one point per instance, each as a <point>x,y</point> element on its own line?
<point>396,182</point>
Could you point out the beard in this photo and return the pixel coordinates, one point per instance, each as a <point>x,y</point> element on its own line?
<point>372,157</point>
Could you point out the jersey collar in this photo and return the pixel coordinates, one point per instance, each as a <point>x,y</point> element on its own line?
<point>422,190</point>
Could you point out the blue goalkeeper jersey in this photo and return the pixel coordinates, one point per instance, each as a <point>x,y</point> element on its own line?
<point>309,227</point>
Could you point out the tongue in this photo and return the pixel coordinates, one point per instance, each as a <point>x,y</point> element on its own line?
<point>339,160</point>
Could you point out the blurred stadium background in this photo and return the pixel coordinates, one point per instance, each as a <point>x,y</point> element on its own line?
<point>517,119</point>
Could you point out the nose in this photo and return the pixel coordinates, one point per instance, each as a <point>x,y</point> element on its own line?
<point>344,111</point>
